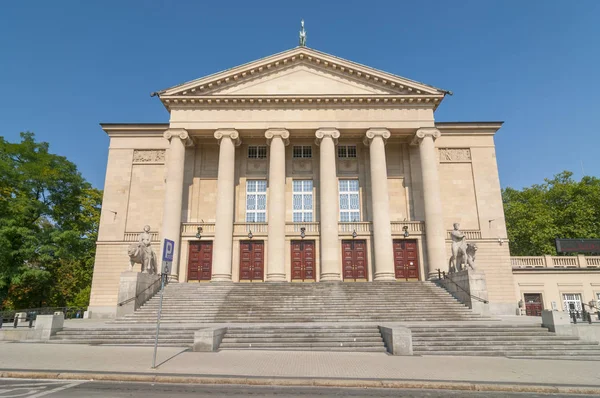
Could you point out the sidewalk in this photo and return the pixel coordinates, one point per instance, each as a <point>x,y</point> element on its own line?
<point>296,368</point>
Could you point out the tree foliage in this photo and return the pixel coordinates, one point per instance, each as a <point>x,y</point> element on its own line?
<point>49,220</point>
<point>559,208</point>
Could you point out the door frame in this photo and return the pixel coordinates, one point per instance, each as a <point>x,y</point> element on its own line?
<point>188,259</point>
<point>417,252</point>
<point>304,280</point>
<point>366,243</point>
<point>241,242</point>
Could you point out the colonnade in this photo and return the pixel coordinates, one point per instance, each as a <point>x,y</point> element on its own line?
<point>326,139</point>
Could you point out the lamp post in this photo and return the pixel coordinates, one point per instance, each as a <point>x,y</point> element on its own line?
<point>354,234</point>
<point>250,235</point>
<point>199,233</point>
<point>405,229</point>
<point>302,232</point>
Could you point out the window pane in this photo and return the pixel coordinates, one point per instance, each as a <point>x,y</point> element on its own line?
<point>351,151</point>
<point>262,152</point>
<point>341,151</point>
<point>297,217</point>
<point>307,152</point>
<point>261,217</point>
<point>353,185</point>
<point>252,152</point>
<point>344,202</point>
<point>297,202</point>
<point>308,217</point>
<point>250,202</point>
<point>261,203</point>
<point>354,201</point>
<point>343,185</point>
<point>251,186</point>
<point>250,217</point>
<point>261,186</point>
<point>354,216</point>
<point>297,185</point>
<point>344,216</point>
<point>307,202</point>
<point>308,185</point>
<point>297,151</point>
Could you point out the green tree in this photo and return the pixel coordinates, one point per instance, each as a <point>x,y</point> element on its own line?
<point>48,225</point>
<point>559,208</point>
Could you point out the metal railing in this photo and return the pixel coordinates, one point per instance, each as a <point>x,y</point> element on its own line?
<point>585,316</point>
<point>15,316</point>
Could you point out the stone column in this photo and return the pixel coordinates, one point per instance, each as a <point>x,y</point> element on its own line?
<point>171,225</point>
<point>328,203</point>
<point>277,139</point>
<point>382,231</point>
<point>434,221</point>
<point>223,246</point>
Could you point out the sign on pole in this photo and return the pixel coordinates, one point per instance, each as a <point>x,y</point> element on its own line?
<point>167,261</point>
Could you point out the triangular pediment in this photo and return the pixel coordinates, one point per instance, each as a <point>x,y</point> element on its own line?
<point>301,71</point>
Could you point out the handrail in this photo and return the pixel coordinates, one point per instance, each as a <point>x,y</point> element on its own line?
<point>447,277</point>
<point>129,300</point>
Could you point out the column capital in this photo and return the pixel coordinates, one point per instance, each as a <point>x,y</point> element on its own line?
<point>327,132</point>
<point>425,132</point>
<point>272,133</point>
<point>183,135</point>
<point>377,132</point>
<point>231,133</point>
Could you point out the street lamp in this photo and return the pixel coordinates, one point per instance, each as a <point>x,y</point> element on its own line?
<point>302,232</point>
<point>199,233</point>
<point>250,235</point>
<point>354,234</point>
<point>405,229</point>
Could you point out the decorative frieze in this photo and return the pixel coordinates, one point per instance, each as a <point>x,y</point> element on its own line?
<point>153,156</point>
<point>449,155</point>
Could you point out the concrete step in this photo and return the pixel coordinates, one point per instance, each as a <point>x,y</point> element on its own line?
<point>515,354</point>
<point>271,345</point>
<point>332,349</point>
<point>335,340</point>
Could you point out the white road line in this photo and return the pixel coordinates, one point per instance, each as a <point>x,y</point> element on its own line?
<point>71,385</point>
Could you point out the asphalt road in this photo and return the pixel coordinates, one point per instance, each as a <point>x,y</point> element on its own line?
<point>27,388</point>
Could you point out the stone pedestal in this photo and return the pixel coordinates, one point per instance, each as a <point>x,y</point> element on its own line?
<point>463,285</point>
<point>398,340</point>
<point>208,339</point>
<point>48,325</point>
<point>558,322</point>
<point>135,288</point>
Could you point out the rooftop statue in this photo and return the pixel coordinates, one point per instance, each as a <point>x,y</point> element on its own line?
<point>302,34</point>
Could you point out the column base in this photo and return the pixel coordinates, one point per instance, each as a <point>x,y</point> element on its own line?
<point>221,278</point>
<point>330,277</point>
<point>385,277</point>
<point>276,278</point>
<point>173,278</point>
<point>432,276</point>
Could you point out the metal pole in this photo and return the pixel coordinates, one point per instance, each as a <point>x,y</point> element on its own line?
<point>162,290</point>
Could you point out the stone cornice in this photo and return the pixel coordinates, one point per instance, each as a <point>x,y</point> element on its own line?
<point>376,132</point>
<point>277,132</point>
<point>469,128</point>
<point>425,132</point>
<point>376,100</point>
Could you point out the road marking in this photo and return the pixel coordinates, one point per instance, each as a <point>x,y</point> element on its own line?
<point>36,390</point>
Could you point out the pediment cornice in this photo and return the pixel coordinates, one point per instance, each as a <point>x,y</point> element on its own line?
<point>208,91</point>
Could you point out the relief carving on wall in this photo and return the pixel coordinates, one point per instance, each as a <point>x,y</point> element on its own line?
<point>148,156</point>
<point>302,165</point>
<point>347,165</point>
<point>256,166</point>
<point>455,154</point>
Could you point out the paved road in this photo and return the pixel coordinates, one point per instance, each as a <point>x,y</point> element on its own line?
<point>27,388</point>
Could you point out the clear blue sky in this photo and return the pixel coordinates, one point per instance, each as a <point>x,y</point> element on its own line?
<point>65,66</point>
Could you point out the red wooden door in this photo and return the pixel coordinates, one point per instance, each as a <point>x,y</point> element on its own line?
<point>354,259</point>
<point>533,304</point>
<point>303,260</point>
<point>406,259</point>
<point>252,255</point>
<point>200,261</point>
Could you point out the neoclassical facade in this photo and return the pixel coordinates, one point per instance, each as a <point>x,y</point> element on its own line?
<point>303,167</point>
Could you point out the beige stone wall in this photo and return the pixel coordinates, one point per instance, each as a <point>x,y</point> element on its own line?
<point>111,261</point>
<point>146,197</point>
<point>552,284</point>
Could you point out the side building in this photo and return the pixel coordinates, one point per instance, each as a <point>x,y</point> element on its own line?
<point>303,167</point>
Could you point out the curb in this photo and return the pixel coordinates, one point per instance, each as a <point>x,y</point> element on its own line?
<point>302,382</point>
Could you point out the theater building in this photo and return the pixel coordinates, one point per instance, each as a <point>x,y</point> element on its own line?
<point>303,167</point>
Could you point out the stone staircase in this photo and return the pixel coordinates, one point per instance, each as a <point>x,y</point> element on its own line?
<point>362,338</point>
<point>499,340</point>
<point>302,302</point>
<point>131,336</point>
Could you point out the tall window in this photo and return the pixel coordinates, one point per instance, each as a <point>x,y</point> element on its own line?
<point>257,152</point>
<point>349,203</point>
<point>256,201</point>
<point>302,151</point>
<point>303,200</point>
<point>346,151</point>
<point>572,302</point>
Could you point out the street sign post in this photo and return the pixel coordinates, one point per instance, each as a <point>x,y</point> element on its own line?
<point>167,262</point>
